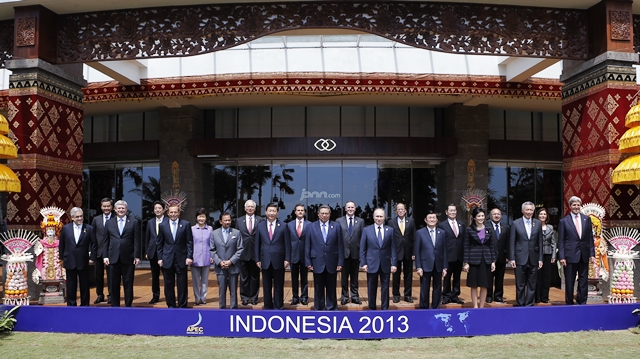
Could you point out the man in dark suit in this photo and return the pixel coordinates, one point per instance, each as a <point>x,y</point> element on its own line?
<point>378,258</point>
<point>151,237</point>
<point>122,237</point>
<point>272,253</point>
<point>430,251</point>
<point>576,250</point>
<point>175,253</point>
<point>249,271</point>
<point>351,227</point>
<point>98,224</point>
<point>298,233</point>
<point>502,233</point>
<point>404,229</point>
<point>454,232</point>
<point>525,253</point>
<point>324,256</point>
<point>77,251</point>
<point>226,248</point>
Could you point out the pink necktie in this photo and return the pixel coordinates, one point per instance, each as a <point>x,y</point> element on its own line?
<point>270,231</point>
<point>299,228</point>
<point>250,228</point>
<point>576,221</point>
<point>455,228</point>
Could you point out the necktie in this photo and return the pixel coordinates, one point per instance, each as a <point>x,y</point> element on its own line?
<point>174,229</point>
<point>576,221</point>
<point>106,218</point>
<point>498,230</point>
<point>324,232</point>
<point>402,226</point>
<point>379,236</point>
<point>250,228</point>
<point>528,228</point>
<point>76,232</point>
<point>299,228</point>
<point>454,225</point>
<point>433,237</point>
<point>351,225</point>
<point>121,225</point>
<point>270,231</point>
<point>225,235</point>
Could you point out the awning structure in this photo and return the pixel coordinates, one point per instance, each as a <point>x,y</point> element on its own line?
<point>628,171</point>
<point>9,182</point>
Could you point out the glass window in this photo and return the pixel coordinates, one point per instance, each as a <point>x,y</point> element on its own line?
<point>151,126</point>
<point>130,127</point>
<point>394,186</point>
<point>518,125</point>
<point>225,123</point>
<point>422,122</point>
<point>288,122</point>
<point>354,121</point>
<point>323,121</point>
<point>219,191</point>
<point>550,127</point>
<point>288,180</point>
<point>496,124</point>
<point>87,129</point>
<point>392,121</point>
<point>497,189</point>
<point>324,186</point>
<point>254,122</point>
<point>425,190</point>
<point>359,184</point>
<point>254,183</point>
<point>104,128</point>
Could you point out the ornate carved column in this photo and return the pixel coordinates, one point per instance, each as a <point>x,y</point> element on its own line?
<point>45,114</point>
<point>596,97</point>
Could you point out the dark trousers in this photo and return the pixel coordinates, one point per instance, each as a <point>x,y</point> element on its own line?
<point>172,276</point>
<point>498,280</point>
<point>100,269</point>
<point>372,287</point>
<point>350,271</point>
<point>299,279</point>
<point>273,288</point>
<point>405,267</point>
<point>543,283</point>
<point>451,289</point>
<point>570,271</point>
<point>155,277</point>
<point>326,297</point>
<point>124,272</point>
<point>73,277</point>
<point>249,280</point>
<point>425,284</point>
<point>526,276</point>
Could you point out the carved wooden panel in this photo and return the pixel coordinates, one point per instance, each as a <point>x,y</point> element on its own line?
<point>620,25</point>
<point>25,31</point>
<point>447,27</point>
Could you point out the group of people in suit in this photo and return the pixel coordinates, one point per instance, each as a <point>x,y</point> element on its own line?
<point>266,246</point>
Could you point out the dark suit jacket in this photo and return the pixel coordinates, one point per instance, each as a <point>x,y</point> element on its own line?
<point>77,256</point>
<point>522,249</point>
<point>248,253</point>
<point>428,256</point>
<point>176,250</point>
<point>126,247</point>
<point>572,248</point>
<point>502,244</point>
<point>324,256</point>
<point>455,245</point>
<point>404,244</point>
<point>151,237</point>
<point>298,243</point>
<point>476,251</point>
<point>229,251</point>
<point>374,255</point>
<point>351,241</point>
<point>272,252</point>
<point>98,233</point>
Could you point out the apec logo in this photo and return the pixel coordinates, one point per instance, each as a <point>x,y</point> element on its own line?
<point>196,329</point>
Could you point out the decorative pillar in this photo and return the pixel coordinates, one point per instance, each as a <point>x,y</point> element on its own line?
<point>596,96</point>
<point>45,114</point>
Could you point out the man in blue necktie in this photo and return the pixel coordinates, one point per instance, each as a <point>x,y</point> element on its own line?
<point>525,253</point>
<point>378,258</point>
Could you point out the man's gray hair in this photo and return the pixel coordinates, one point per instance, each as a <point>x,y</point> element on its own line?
<point>528,203</point>
<point>121,203</point>
<point>574,199</point>
<point>73,211</point>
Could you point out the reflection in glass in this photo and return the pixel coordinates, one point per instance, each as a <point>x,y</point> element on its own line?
<point>522,182</point>
<point>324,187</point>
<point>128,179</point>
<point>360,185</point>
<point>425,190</point>
<point>497,191</point>
<point>254,183</point>
<point>220,190</point>
<point>288,180</point>
<point>394,186</point>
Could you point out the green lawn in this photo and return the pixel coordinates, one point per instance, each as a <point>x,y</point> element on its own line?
<point>593,344</point>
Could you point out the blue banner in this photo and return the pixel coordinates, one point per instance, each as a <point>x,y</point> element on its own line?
<point>324,325</point>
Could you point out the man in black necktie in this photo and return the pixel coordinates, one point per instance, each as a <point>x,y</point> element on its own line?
<point>502,233</point>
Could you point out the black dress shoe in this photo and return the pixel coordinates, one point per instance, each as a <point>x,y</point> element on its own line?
<point>254,302</point>
<point>544,301</point>
<point>499,300</point>
<point>154,300</point>
<point>408,299</point>
<point>109,300</point>
<point>488,300</point>
<point>396,299</point>
<point>446,301</point>
<point>344,301</point>
<point>295,301</point>
<point>245,302</point>
<point>458,301</point>
<point>304,301</point>
<point>356,301</point>
<point>100,299</point>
